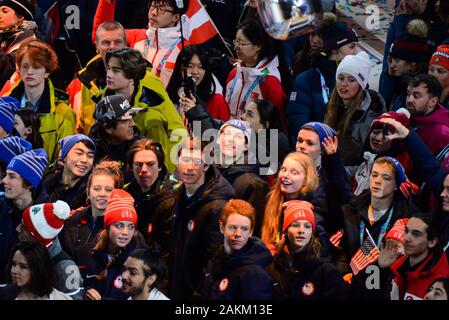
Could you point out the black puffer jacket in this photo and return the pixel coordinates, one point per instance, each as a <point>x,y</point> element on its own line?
<point>240,275</point>
<point>196,233</point>
<point>80,231</point>
<point>115,152</point>
<point>298,278</point>
<point>74,196</point>
<point>155,210</point>
<point>248,186</point>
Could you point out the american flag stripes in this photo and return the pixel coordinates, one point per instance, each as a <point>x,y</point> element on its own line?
<point>366,255</point>
<point>335,239</point>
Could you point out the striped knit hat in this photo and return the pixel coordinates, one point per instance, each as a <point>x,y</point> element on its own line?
<point>322,130</point>
<point>30,165</point>
<point>68,142</point>
<point>13,146</point>
<point>45,221</point>
<point>120,208</point>
<point>8,108</point>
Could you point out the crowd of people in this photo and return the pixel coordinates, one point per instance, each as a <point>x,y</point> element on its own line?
<point>165,170</point>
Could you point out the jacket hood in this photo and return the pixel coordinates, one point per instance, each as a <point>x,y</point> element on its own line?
<point>254,252</point>
<point>233,172</point>
<point>439,116</point>
<point>94,71</point>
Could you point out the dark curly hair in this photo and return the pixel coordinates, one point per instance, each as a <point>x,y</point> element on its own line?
<point>132,62</point>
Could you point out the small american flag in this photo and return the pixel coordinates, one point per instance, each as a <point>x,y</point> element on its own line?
<point>366,255</point>
<point>335,239</point>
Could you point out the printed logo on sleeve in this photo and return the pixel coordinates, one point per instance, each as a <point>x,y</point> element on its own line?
<point>293,96</point>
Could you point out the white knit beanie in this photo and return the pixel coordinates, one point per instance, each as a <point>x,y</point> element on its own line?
<point>358,66</point>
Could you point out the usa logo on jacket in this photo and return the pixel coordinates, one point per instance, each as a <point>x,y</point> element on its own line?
<point>308,289</point>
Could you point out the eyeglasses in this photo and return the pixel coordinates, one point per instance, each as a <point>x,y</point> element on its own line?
<point>240,44</point>
<point>160,9</point>
<point>195,161</point>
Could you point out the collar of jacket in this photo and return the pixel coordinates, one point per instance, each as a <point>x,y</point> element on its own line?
<point>264,68</point>
<point>164,37</point>
<point>48,100</point>
<point>93,76</point>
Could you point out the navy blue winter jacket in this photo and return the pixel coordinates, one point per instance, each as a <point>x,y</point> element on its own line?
<point>240,275</point>
<point>306,102</point>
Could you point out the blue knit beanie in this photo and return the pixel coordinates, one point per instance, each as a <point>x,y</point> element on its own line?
<point>400,172</point>
<point>8,108</point>
<point>323,130</point>
<point>30,165</point>
<point>13,146</point>
<point>68,142</point>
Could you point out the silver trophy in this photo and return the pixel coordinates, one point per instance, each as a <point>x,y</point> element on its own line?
<point>283,19</point>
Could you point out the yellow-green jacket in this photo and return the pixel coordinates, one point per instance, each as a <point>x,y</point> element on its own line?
<point>56,117</point>
<point>158,119</point>
<point>88,82</point>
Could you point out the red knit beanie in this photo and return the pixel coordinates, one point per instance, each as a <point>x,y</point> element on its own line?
<point>402,115</point>
<point>398,230</point>
<point>441,57</point>
<point>295,210</point>
<point>45,221</point>
<point>120,208</point>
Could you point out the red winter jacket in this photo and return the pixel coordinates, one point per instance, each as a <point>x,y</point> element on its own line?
<point>418,281</point>
<point>433,128</point>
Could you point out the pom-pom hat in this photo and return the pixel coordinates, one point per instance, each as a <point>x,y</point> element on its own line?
<point>45,221</point>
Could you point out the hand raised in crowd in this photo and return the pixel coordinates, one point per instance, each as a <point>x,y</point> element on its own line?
<point>330,145</point>
<point>389,253</point>
<point>401,131</point>
<point>185,102</point>
<point>92,294</point>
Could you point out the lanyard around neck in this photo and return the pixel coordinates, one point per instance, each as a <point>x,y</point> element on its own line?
<point>165,57</point>
<point>241,105</point>
<point>383,228</point>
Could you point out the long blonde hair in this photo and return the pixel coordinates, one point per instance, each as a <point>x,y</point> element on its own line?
<point>271,229</point>
<point>338,117</point>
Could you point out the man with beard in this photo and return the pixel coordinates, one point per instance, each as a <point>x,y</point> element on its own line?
<point>142,272</point>
<point>429,117</point>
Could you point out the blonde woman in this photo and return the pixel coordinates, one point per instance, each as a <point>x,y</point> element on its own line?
<point>297,180</point>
